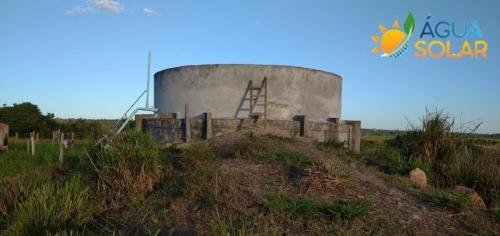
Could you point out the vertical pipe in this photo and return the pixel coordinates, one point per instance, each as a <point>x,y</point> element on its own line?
<point>149,75</point>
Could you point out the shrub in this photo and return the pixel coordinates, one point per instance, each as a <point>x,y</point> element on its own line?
<point>126,170</point>
<point>54,209</point>
<point>446,154</point>
<point>397,163</point>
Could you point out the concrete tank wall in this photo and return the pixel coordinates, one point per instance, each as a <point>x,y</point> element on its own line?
<point>221,89</point>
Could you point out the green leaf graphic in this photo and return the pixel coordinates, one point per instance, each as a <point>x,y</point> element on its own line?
<point>409,24</point>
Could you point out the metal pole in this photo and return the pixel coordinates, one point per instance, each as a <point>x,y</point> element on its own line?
<point>149,72</point>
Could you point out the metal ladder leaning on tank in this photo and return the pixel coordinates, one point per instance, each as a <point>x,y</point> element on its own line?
<point>253,99</point>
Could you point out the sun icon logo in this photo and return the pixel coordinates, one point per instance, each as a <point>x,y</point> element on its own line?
<point>393,41</point>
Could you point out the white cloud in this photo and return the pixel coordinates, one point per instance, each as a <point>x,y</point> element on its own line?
<point>95,5</point>
<point>149,11</point>
<point>80,9</point>
<point>108,5</point>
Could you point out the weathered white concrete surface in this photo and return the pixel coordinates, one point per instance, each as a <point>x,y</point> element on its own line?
<point>4,137</point>
<point>220,89</point>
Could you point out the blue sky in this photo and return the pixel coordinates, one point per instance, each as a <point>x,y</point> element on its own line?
<point>88,58</point>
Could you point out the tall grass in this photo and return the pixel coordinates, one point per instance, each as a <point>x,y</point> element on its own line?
<point>452,158</point>
<point>126,170</point>
<point>52,209</point>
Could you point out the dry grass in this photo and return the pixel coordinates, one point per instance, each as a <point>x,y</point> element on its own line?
<point>242,185</point>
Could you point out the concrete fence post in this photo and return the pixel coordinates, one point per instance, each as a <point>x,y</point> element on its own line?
<point>303,126</point>
<point>187,122</point>
<point>208,125</point>
<point>356,136</point>
<point>32,141</point>
<point>61,150</point>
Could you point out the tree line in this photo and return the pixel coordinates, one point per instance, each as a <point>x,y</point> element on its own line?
<point>25,117</point>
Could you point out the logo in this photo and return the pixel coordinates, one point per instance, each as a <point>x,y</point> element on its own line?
<point>435,41</point>
<point>394,42</point>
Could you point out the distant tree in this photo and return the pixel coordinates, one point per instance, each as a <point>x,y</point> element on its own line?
<point>82,128</point>
<point>26,117</point>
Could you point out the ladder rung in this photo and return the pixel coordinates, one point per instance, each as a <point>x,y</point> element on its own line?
<point>254,88</point>
<point>259,104</point>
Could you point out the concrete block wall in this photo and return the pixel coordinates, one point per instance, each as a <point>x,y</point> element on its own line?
<point>169,129</point>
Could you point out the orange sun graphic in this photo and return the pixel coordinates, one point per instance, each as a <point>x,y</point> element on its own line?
<point>393,42</point>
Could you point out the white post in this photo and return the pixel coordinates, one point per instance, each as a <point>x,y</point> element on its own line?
<point>32,139</point>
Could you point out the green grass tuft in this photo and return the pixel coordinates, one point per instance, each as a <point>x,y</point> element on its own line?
<point>447,199</point>
<point>52,209</point>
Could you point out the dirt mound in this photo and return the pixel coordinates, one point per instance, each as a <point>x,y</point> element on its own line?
<point>245,182</point>
<point>264,184</point>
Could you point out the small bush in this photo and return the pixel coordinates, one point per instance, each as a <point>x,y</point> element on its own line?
<point>53,209</point>
<point>397,163</point>
<point>441,148</point>
<point>126,170</point>
<point>447,199</point>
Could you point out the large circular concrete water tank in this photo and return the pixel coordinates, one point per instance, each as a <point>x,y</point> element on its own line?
<point>223,90</point>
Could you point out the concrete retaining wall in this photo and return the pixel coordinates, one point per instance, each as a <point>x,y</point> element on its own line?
<point>169,129</point>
